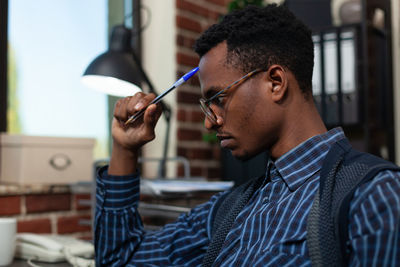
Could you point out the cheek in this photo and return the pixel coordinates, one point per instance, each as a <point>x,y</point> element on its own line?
<point>239,113</point>
<point>251,109</point>
<point>243,119</point>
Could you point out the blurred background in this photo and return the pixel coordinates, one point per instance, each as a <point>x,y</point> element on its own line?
<point>46,46</point>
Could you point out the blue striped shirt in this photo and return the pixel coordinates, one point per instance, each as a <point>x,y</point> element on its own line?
<point>269,231</point>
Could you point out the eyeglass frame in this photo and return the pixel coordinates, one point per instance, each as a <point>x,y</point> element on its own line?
<point>205,103</point>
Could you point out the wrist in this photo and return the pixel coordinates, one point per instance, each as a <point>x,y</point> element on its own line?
<point>123,161</point>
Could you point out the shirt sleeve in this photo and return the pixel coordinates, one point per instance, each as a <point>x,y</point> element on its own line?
<point>120,239</point>
<point>374,228</point>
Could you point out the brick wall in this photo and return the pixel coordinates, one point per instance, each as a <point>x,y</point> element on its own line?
<point>59,213</point>
<point>192,18</point>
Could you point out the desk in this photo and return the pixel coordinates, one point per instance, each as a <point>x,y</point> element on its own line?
<point>162,201</point>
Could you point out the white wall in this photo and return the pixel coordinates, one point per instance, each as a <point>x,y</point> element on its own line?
<point>159,54</point>
<point>396,72</point>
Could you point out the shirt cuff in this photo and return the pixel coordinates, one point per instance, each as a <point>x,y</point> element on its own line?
<point>117,192</point>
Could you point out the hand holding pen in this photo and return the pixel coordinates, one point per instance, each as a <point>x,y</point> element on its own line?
<point>182,80</point>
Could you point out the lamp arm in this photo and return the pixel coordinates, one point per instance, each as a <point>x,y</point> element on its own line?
<point>166,112</point>
<point>166,108</point>
<point>162,170</point>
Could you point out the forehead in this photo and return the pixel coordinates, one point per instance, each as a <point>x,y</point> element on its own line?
<point>215,73</point>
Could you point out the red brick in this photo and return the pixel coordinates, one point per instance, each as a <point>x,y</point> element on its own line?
<point>189,135</point>
<point>81,206</point>
<point>188,24</point>
<point>39,226</point>
<point>66,225</point>
<point>185,41</point>
<point>223,3</point>
<point>183,59</point>
<point>208,12</point>
<point>200,153</point>
<point>188,98</point>
<point>181,115</point>
<point>44,203</point>
<point>10,205</point>
<point>216,152</point>
<point>192,81</point>
<point>197,116</point>
<point>194,171</point>
<point>197,9</point>
<point>180,74</point>
<point>180,40</point>
<point>182,152</point>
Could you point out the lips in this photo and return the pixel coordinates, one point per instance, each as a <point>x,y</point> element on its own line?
<point>225,140</point>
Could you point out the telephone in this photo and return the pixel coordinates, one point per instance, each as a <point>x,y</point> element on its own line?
<point>54,248</point>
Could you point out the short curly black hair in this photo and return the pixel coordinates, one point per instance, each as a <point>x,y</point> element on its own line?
<point>259,37</point>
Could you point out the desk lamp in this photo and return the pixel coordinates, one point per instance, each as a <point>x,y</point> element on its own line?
<point>119,72</point>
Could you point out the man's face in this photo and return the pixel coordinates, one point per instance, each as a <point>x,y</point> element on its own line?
<point>246,123</point>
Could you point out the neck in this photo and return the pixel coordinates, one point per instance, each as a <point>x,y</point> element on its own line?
<point>300,124</point>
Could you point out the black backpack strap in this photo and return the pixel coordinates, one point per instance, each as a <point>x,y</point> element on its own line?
<point>224,214</point>
<point>224,205</point>
<point>318,210</point>
<point>343,171</point>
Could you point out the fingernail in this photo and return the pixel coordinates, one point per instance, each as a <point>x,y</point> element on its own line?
<point>139,106</point>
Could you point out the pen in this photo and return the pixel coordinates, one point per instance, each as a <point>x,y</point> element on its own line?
<point>183,79</point>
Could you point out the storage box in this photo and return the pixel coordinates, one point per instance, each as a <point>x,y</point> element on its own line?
<point>45,160</point>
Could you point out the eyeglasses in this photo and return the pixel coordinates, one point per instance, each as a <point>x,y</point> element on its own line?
<point>205,104</point>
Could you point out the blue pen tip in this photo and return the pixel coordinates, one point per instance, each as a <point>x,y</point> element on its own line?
<point>190,74</point>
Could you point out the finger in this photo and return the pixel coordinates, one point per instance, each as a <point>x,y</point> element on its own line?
<point>129,106</point>
<point>119,109</point>
<point>125,107</point>
<point>138,104</point>
<point>135,104</point>
<point>143,102</point>
<point>151,116</point>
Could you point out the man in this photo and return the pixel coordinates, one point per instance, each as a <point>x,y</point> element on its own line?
<point>255,74</point>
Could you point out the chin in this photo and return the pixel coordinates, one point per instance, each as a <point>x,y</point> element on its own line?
<point>244,155</point>
<point>241,155</point>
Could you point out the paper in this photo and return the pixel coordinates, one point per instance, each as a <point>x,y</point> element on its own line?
<point>159,187</point>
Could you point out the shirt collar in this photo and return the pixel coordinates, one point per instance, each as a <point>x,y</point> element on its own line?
<point>300,163</point>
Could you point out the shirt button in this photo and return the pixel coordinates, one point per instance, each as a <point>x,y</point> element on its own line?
<point>265,200</point>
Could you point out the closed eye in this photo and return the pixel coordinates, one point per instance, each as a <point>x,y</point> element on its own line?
<point>211,91</point>
<point>219,100</point>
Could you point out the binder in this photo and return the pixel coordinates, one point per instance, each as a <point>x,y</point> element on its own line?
<point>335,76</point>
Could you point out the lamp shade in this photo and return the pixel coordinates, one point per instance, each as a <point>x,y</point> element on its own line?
<point>115,72</point>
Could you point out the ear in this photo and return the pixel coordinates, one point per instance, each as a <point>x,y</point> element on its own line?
<point>278,78</point>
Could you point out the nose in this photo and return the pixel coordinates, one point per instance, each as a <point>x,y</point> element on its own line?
<point>210,125</point>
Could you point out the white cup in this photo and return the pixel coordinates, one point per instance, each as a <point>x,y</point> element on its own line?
<point>8,229</point>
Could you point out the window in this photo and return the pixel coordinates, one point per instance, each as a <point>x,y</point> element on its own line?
<point>50,43</point>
